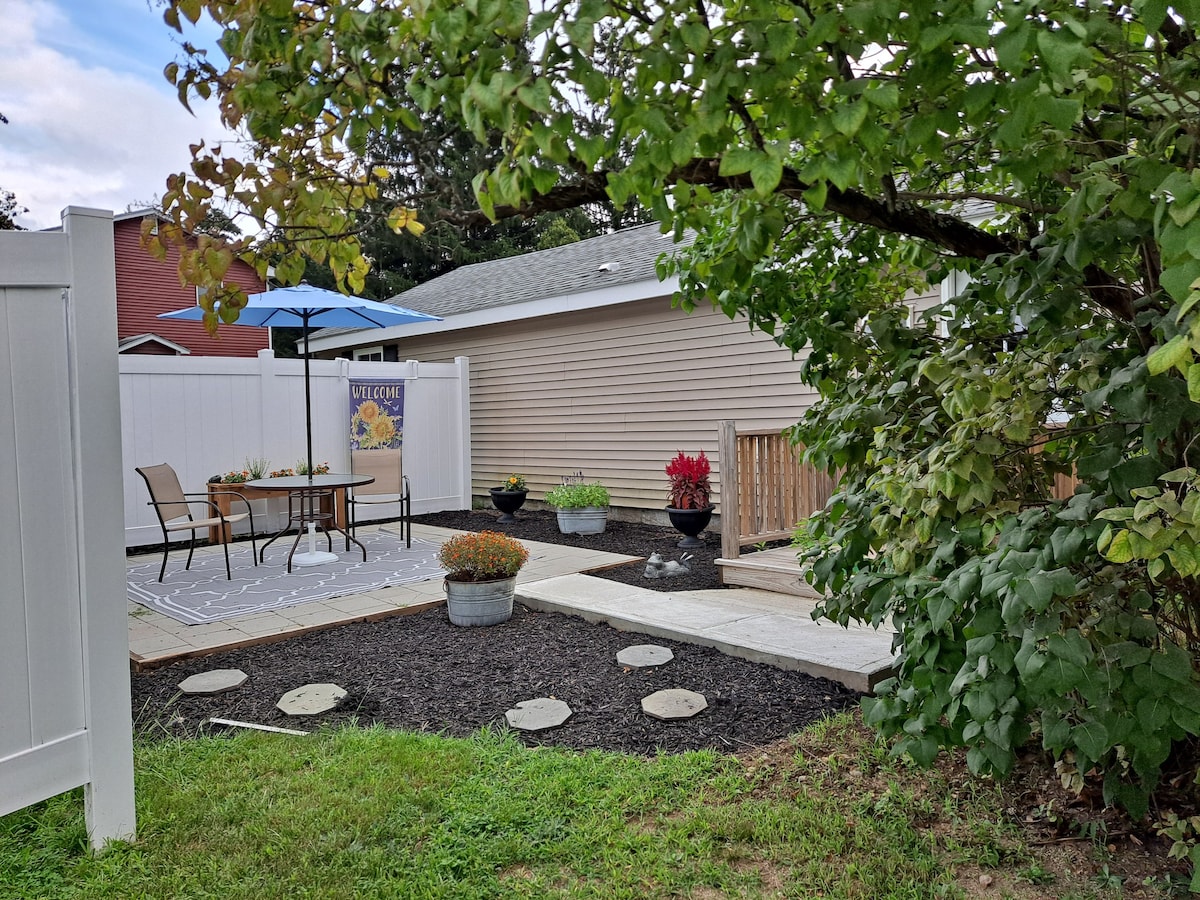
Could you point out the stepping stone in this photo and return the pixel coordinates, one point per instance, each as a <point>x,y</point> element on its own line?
<point>311,699</point>
<point>674,703</point>
<point>538,715</point>
<point>641,655</point>
<point>218,681</point>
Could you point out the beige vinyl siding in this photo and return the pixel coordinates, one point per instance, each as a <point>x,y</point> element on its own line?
<point>614,392</point>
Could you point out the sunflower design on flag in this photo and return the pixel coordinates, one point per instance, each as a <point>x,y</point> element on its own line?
<point>376,424</point>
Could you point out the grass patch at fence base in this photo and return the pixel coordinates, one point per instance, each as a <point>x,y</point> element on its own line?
<point>374,813</point>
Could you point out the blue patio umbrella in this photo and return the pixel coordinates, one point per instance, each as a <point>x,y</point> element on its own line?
<point>305,306</point>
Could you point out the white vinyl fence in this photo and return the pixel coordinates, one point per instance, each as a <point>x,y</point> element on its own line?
<point>207,415</point>
<point>65,716</point>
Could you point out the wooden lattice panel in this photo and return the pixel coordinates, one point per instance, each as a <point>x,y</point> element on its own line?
<point>771,489</point>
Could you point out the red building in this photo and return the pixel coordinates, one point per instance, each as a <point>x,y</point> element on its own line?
<point>147,287</point>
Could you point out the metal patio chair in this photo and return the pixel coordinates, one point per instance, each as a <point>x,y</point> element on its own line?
<point>390,486</point>
<point>174,511</point>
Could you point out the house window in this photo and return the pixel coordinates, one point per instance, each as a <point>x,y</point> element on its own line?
<point>954,284</point>
<point>369,354</point>
<point>202,291</point>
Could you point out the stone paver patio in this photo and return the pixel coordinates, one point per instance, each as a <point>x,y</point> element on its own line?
<point>753,624</point>
<point>155,639</point>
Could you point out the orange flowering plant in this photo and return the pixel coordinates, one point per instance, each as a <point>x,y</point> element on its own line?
<point>482,556</point>
<point>255,468</point>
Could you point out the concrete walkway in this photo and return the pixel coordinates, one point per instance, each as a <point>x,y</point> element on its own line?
<point>751,624</point>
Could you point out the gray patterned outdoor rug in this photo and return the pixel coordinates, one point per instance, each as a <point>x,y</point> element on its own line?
<point>202,593</point>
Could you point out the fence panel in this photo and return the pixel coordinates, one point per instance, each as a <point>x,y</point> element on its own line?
<point>771,490</point>
<point>64,663</point>
<point>207,415</point>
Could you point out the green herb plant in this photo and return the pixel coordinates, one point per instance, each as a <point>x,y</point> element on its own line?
<point>578,496</point>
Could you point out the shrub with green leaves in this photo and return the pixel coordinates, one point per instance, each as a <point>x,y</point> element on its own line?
<point>1019,615</point>
<point>1040,160</point>
<point>578,496</point>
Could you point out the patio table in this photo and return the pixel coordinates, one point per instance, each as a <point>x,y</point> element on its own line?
<point>313,501</point>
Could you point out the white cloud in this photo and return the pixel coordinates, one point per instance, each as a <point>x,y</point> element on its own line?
<point>83,132</point>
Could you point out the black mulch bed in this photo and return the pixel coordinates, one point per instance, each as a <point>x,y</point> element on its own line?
<point>419,672</point>
<point>629,538</point>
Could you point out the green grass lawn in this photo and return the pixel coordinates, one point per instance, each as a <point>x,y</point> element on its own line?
<point>376,813</point>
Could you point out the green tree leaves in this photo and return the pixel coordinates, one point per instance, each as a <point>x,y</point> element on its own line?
<point>1042,160</point>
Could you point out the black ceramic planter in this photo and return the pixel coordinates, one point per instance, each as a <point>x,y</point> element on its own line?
<point>508,502</point>
<point>690,522</point>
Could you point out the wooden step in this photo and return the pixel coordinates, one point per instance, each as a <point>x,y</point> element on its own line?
<point>772,570</point>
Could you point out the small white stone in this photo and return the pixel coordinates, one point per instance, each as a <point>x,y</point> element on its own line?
<point>674,703</point>
<point>215,682</point>
<point>538,714</point>
<point>641,655</point>
<point>311,699</point>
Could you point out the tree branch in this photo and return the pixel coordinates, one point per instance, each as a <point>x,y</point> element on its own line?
<point>904,217</point>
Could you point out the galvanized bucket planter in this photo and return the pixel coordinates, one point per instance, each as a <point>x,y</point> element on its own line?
<point>480,602</point>
<point>583,520</point>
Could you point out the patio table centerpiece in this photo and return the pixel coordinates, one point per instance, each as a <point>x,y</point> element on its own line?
<point>481,576</point>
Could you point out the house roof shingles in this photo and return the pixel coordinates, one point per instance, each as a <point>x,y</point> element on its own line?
<point>610,260</point>
<point>607,261</point>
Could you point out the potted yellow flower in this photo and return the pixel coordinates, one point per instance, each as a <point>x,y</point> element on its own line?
<point>509,497</point>
<point>481,576</point>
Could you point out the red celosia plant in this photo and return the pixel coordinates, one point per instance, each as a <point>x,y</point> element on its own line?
<point>484,556</point>
<point>689,481</point>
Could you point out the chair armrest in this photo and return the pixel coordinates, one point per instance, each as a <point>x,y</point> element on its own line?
<point>236,494</point>
<point>216,510</point>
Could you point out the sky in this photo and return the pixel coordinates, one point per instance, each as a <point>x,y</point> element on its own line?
<point>91,119</point>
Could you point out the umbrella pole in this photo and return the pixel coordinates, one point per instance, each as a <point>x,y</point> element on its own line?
<point>313,557</point>
<point>307,404</point>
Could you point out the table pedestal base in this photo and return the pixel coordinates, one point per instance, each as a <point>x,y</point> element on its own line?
<point>312,556</point>
<point>313,502</point>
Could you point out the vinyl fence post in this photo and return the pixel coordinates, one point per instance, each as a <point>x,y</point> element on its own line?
<point>92,324</point>
<point>464,387</point>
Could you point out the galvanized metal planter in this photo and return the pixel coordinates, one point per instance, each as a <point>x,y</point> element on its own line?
<point>480,602</point>
<point>583,520</point>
